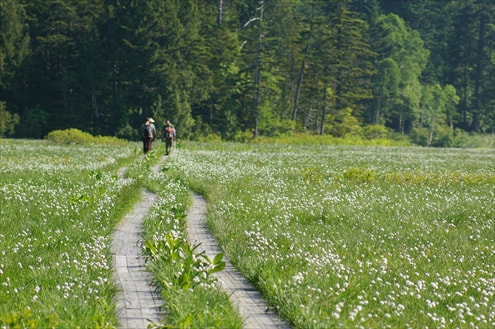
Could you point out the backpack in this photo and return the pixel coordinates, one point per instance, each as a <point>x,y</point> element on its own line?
<point>169,132</point>
<point>147,131</point>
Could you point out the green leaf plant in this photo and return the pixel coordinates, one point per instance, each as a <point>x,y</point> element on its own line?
<point>193,267</point>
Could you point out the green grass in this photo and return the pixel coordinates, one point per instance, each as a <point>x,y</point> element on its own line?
<point>333,236</point>
<point>193,298</point>
<point>353,236</point>
<point>58,205</point>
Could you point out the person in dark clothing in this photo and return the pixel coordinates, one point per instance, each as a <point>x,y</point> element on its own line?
<point>168,136</point>
<point>148,133</point>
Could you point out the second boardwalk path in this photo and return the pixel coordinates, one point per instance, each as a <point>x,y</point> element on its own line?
<point>138,301</point>
<point>243,295</point>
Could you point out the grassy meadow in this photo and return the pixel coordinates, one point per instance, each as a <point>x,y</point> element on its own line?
<point>58,206</point>
<point>334,236</point>
<point>192,296</point>
<point>59,203</point>
<point>354,236</point>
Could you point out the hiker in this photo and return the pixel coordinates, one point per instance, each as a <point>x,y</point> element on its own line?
<point>148,132</point>
<point>168,136</point>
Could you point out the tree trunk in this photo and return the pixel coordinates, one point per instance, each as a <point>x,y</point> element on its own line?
<point>323,111</point>
<point>299,83</point>
<point>430,136</point>
<point>475,124</point>
<point>301,72</point>
<point>94,103</point>
<point>378,110</point>
<point>257,76</point>
<point>220,12</point>
<point>401,123</point>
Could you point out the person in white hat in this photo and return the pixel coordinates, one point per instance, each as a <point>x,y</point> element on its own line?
<point>148,132</point>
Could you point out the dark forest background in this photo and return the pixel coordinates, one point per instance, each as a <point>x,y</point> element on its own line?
<point>262,68</point>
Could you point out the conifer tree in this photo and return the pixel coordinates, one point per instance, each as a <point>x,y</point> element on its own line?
<point>401,63</point>
<point>14,41</point>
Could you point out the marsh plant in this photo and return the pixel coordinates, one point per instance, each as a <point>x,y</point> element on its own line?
<point>58,205</point>
<point>355,237</point>
<point>184,277</point>
<point>333,236</point>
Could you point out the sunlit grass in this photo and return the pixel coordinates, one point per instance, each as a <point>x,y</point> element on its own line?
<point>369,237</point>
<point>58,205</point>
<point>334,236</point>
<point>192,296</point>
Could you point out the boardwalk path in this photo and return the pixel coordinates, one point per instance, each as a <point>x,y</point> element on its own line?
<point>137,300</point>
<point>244,296</point>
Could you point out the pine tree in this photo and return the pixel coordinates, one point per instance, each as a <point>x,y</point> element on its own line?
<point>341,61</point>
<point>14,41</point>
<point>401,62</point>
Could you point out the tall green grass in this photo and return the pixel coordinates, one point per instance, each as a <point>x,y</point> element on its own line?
<point>334,236</point>
<point>353,236</point>
<point>192,296</point>
<point>58,205</point>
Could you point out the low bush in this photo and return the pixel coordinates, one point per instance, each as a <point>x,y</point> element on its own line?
<point>447,137</point>
<point>76,136</point>
<point>308,139</point>
<point>462,139</point>
<point>375,132</point>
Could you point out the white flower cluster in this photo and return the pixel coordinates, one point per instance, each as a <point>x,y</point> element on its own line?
<point>412,246</point>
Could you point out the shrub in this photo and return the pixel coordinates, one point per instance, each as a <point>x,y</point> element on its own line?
<point>463,139</point>
<point>344,124</point>
<point>442,137</point>
<point>446,137</point>
<point>8,121</point>
<point>211,138</point>
<point>310,139</point>
<point>419,136</point>
<point>375,132</point>
<point>244,136</point>
<point>76,136</point>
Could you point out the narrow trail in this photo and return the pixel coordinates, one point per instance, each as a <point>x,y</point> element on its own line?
<point>138,301</point>
<point>243,295</point>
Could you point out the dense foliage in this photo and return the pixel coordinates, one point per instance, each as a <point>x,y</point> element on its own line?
<point>230,67</point>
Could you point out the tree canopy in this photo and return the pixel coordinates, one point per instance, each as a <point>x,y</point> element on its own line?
<point>231,67</point>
